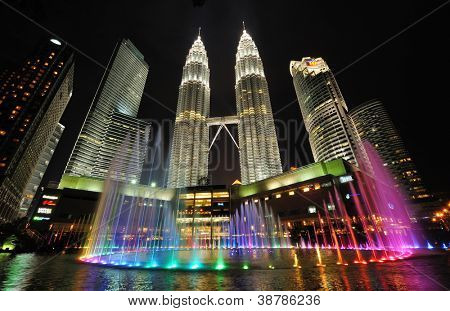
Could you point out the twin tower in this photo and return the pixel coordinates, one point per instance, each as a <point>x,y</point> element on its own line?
<point>257,143</point>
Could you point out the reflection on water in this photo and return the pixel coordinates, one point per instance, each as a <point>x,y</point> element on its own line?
<point>35,272</point>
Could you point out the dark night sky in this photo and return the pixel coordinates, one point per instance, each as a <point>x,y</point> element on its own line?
<point>408,74</point>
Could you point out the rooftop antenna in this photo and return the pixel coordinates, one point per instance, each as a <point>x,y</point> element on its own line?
<point>243,25</point>
<point>199,30</point>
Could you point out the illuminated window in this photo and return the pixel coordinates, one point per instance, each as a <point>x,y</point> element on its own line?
<point>278,195</point>
<point>222,194</point>
<point>203,195</point>
<point>291,192</point>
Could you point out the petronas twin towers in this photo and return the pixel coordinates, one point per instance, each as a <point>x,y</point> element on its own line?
<point>258,147</point>
<point>189,154</point>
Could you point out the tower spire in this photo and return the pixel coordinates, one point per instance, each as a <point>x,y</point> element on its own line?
<point>243,25</point>
<point>199,30</point>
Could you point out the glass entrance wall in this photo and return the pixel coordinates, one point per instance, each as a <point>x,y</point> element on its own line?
<point>203,216</point>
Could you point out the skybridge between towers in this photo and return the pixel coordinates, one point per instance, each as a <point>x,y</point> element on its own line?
<point>222,123</point>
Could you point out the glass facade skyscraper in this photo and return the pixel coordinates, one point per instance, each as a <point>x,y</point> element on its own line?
<point>258,144</point>
<point>374,125</point>
<point>324,111</point>
<point>115,106</point>
<point>130,136</point>
<point>189,150</point>
<point>32,100</point>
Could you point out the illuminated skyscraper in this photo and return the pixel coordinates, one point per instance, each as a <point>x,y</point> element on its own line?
<point>32,100</point>
<point>40,169</point>
<point>374,125</point>
<point>258,145</point>
<point>324,111</point>
<point>115,106</point>
<point>189,150</point>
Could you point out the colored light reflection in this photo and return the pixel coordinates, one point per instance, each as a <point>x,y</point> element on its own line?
<point>220,266</point>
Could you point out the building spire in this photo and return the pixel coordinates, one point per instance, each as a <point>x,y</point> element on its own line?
<point>243,25</point>
<point>199,31</point>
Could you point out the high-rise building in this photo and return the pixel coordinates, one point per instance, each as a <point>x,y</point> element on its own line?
<point>258,144</point>
<point>115,106</point>
<point>189,150</point>
<point>132,147</point>
<point>324,111</point>
<point>374,125</point>
<point>40,169</point>
<point>32,100</point>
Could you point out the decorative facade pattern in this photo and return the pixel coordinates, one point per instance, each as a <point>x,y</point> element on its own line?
<point>258,145</point>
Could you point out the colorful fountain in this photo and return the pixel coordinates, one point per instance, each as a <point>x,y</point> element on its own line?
<point>371,225</point>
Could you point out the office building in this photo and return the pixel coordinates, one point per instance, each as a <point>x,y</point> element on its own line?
<point>32,100</point>
<point>374,125</point>
<point>324,111</point>
<point>40,169</point>
<point>115,105</point>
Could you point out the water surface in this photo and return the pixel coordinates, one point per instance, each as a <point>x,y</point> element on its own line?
<point>64,272</point>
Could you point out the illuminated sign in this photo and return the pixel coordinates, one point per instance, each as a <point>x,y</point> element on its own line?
<point>50,197</point>
<point>344,179</point>
<point>312,210</point>
<point>38,218</point>
<point>311,62</point>
<point>48,203</point>
<point>326,184</point>
<point>44,210</point>
<point>348,195</point>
